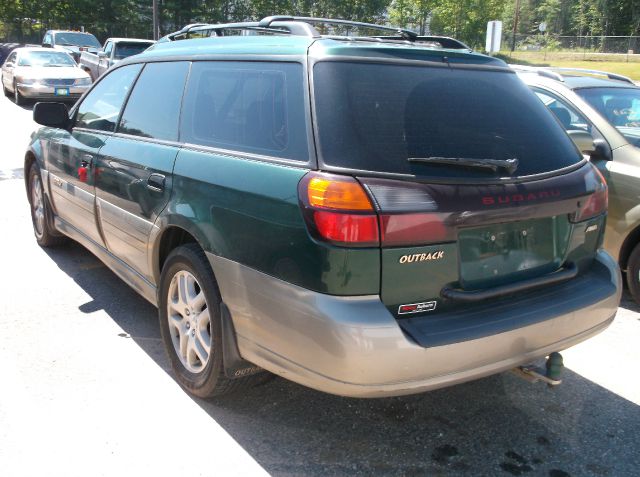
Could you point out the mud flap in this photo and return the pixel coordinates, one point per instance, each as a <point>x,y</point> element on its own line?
<point>234,365</point>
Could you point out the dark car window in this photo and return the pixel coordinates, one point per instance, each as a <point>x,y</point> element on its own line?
<point>153,108</point>
<point>101,108</point>
<point>621,106</point>
<point>125,50</point>
<point>374,117</point>
<point>249,107</point>
<point>76,39</point>
<point>568,116</point>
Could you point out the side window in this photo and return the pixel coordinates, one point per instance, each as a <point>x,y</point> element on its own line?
<point>249,107</point>
<point>101,108</point>
<point>568,116</point>
<point>47,39</point>
<point>107,48</point>
<point>153,109</point>
<point>12,58</point>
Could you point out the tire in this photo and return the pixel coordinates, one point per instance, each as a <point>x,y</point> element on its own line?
<point>633,273</point>
<point>41,216</point>
<point>188,290</point>
<point>17,97</point>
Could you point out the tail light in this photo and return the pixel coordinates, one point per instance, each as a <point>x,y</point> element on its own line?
<point>338,210</point>
<point>596,203</point>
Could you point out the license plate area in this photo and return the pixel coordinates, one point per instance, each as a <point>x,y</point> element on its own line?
<point>61,92</point>
<point>502,253</point>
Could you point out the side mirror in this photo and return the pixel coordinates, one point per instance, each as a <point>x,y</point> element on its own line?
<point>583,140</point>
<point>601,150</point>
<point>55,115</point>
<point>102,54</point>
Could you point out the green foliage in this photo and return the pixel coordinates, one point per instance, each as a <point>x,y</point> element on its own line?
<point>26,20</point>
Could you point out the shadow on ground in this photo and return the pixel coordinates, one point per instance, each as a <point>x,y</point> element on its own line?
<point>499,425</point>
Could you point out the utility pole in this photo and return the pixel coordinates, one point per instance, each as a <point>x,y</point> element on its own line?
<point>156,26</point>
<point>515,25</point>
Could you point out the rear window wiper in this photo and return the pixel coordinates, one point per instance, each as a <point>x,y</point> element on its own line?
<point>510,165</point>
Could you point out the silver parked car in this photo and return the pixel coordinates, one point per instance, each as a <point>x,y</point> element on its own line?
<point>40,73</point>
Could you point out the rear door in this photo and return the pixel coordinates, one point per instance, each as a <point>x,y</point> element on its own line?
<point>134,170</point>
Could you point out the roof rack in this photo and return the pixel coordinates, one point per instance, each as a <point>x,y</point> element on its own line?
<point>444,41</point>
<point>539,70</point>
<point>557,73</point>
<point>612,76</point>
<point>287,25</point>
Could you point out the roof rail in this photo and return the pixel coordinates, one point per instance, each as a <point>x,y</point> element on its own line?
<point>612,76</point>
<point>280,24</point>
<point>539,70</point>
<point>406,34</point>
<point>445,41</point>
<point>219,28</point>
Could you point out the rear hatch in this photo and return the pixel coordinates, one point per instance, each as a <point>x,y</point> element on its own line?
<point>478,192</point>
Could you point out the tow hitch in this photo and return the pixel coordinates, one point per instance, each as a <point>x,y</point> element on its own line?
<point>551,375</point>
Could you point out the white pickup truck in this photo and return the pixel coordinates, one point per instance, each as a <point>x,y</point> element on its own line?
<point>114,50</point>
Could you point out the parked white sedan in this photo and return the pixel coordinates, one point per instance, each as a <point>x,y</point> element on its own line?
<point>43,74</point>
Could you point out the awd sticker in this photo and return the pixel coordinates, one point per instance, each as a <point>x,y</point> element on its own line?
<point>417,307</point>
<point>421,257</point>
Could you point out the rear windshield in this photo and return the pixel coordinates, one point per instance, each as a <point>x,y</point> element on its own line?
<point>374,117</point>
<point>125,50</point>
<point>76,39</point>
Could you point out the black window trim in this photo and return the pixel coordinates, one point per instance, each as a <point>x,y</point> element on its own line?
<point>561,98</point>
<point>133,87</point>
<point>310,161</point>
<point>73,113</point>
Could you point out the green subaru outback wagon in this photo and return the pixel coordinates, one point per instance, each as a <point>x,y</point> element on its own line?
<point>365,216</point>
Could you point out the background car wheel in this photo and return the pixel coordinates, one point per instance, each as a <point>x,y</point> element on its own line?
<point>633,273</point>
<point>190,325</point>
<point>40,213</point>
<point>17,97</point>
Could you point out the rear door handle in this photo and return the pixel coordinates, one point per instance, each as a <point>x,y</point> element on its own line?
<point>155,182</point>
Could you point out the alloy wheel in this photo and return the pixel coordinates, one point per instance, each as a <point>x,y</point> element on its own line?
<point>189,321</point>
<point>37,204</point>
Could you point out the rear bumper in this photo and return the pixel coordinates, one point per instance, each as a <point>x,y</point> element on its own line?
<point>353,346</point>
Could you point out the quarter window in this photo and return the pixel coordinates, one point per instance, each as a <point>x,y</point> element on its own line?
<point>249,107</point>
<point>153,109</point>
<point>101,108</point>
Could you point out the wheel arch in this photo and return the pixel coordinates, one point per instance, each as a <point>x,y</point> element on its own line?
<point>632,239</point>
<point>170,235</point>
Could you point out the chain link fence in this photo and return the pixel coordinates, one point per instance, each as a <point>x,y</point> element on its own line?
<point>627,45</point>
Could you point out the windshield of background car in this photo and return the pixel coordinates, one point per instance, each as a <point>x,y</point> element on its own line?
<point>45,58</point>
<point>373,117</point>
<point>620,106</point>
<point>76,39</point>
<point>124,50</point>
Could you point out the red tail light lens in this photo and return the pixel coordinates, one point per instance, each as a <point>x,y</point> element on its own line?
<point>347,228</point>
<point>414,229</point>
<point>338,210</point>
<point>596,203</point>
<point>593,205</point>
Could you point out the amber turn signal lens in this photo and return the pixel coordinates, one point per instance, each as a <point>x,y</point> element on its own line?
<point>341,195</point>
